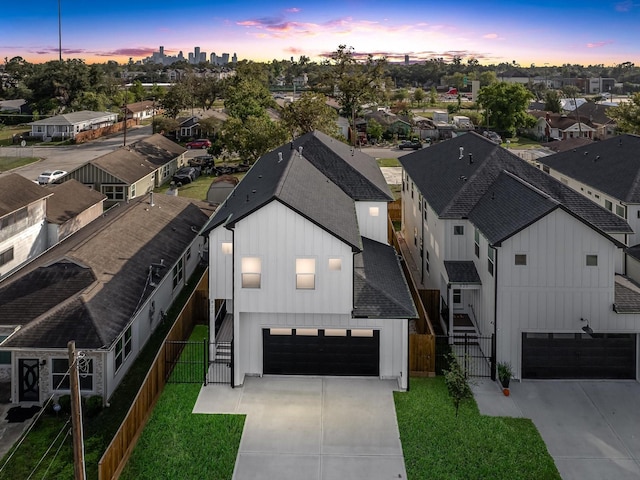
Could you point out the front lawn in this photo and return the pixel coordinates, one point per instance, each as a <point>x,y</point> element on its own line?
<point>9,163</point>
<point>176,443</point>
<point>437,444</point>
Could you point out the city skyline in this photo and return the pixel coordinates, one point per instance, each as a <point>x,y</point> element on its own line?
<point>540,33</point>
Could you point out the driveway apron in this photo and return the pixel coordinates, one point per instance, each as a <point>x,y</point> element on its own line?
<point>591,428</point>
<point>312,427</point>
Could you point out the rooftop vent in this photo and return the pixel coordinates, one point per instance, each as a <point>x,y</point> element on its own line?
<point>461,153</point>
<point>470,158</point>
<point>279,158</point>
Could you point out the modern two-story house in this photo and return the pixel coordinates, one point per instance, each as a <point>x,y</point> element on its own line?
<point>299,254</point>
<point>523,257</point>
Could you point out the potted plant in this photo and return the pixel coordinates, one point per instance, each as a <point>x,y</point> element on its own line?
<point>504,375</point>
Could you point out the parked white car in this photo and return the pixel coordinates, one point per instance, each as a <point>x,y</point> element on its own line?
<point>50,176</point>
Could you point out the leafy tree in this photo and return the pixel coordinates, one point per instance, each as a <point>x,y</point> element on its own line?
<point>627,115</point>
<point>433,96</point>
<point>552,101</point>
<point>209,125</point>
<point>505,105</point>
<point>138,91</point>
<point>418,96</point>
<point>59,81</point>
<point>310,112</point>
<point>252,137</point>
<point>176,100</point>
<point>456,380</point>
<point>207,90</point>
<point>401,95</point>
<point>157,92</point>
<point>374,130</point>
<point>355,83</point>
<point>487,78</point>
<point>247,97</point>
<point>166,125</point>
<point>96,102</point>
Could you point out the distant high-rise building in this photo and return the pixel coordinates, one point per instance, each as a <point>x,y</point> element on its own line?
<point>190,57</point>
<point>406,59</point>
<point>213,60</point>
<point>161,51</point>
<point>234,59</point>
<point>225,58</point>
<point>196,55</point>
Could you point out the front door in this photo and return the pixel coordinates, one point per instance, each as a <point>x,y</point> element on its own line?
<point>29,389</point>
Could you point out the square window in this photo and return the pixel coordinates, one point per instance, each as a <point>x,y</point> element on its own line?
<point>226,248</point>
<point>520,259</point>
<point>251,272</point>
<point>458,229</point>
<point>305,273</point>
<point>335,264</point>
<point>457,295</point>
<point>592,260</point>
<point>374,211</point>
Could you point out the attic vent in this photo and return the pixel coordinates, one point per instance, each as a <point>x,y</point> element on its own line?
<point>279,158</point>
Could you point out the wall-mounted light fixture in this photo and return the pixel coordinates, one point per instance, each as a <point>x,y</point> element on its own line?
<point>586,329</point>
<point>43,362</point>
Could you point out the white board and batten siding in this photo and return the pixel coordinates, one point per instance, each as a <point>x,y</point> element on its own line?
<point>278,236</point>
<point>555,289</point>
<point>372,220</point>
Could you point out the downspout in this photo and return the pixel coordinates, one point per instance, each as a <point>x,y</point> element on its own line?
<point>233,300</point>
<point>408,362</point>
<point>495,317</point>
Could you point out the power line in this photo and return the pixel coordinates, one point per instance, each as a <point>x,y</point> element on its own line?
<point>44,455</point>
<point>55,456</point>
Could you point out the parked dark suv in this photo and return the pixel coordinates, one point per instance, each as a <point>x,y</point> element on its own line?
<point>185,175</point>
<point>414,144</point>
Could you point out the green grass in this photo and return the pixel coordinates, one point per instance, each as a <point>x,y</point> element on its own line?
<point>521,143</point>
<point>9,163</point>
<point>7,133</point>
<point>196,190</point>
<point>179,444</point>
<point>437,444</point>
<point>388,162</point>
<point>98,431</point>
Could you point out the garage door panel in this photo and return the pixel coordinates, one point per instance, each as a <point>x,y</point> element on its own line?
<point>580,356</point>
<point>321,355</point>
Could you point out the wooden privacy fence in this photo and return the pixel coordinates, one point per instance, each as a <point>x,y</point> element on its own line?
<point>395,210</point>
<point>422,355</point>
<point>117,453</point>
<point>88,135</point>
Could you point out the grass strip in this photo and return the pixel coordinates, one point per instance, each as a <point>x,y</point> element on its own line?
<point>436,444</point>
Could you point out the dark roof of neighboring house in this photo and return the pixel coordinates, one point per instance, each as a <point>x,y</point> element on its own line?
<point>188,121</point>
<point>70,199</point>
<point>125,164</point>
<point>158,150</point>
<point>611,166</point>
<point>379,287</point>
<point>567,144</point>
<point>462,271</point>
<point>17,192</point>
<point>455,186</point>
<point>595,112</point>
<point>301,181</point>
<point>88,287</point>
<point>561,121</point>
<point>626,295</point>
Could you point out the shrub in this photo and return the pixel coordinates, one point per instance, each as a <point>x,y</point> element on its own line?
<point>65,404</point>
<point>456,381</point>
<point>92,406</point>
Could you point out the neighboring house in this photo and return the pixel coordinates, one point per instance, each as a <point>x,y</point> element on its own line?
<point>393,124</point>
<point>13,106</point>
<point>597,115</point>
<point>189,127</point>
<point>221,188</point>
<point>131,171</point>
<point>523,257</point>
<point>142,110</point>
<point>605,172</point>
<point>299,254</point>
<point>69,124</point>
<point>555,126</point>
<point>107,288</point>
<point>23,225</point>
<point>71,207</point>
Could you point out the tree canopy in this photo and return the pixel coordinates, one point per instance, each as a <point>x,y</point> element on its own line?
<point>627,115</point>
<point>505,106</point>
<point>310,112</point>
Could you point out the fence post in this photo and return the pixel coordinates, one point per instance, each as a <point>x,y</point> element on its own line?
<point>205,351</point>
<point>493,357</point>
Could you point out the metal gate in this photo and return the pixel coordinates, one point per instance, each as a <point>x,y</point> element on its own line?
<point>475,353</point>
<point>189,362</point>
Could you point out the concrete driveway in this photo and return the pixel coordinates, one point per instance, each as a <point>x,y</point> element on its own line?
<point>591,428</point>
<point>312,427</point>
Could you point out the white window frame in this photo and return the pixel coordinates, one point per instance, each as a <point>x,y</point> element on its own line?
<point>251,272</point>
<point>305,273</point>
<point>86,374</point>
<point>123,348</point>
<point>491,260</point>
<point>591,260</point>
<point>177,274</point>
<point>334,264</point>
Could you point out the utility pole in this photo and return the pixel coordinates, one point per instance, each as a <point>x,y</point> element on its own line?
<point>76,415</point>
<point>124,108</point>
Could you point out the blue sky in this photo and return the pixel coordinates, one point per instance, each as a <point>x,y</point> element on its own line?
<point>539,32</point>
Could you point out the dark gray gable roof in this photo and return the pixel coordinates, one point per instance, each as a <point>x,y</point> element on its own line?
<point>626,295</point>
<point>17,192</point>
<point>125,164</point>
<point>611,166</point>
<point>507,207</point>
<point>69,199</point>
<point>41,290</point>
<point>462,271</point>
<point>379,287</point>
<point>595,112</point>
<point>158,149</point>
<point>118,251</point>
<point>453,186</point>
<point>283,175</point>
<point>354,172</point>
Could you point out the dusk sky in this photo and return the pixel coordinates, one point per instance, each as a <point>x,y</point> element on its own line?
<point>537,31</point>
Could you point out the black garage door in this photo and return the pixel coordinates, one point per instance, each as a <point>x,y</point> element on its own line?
<point>554,355</point>
<point>319,352</point>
